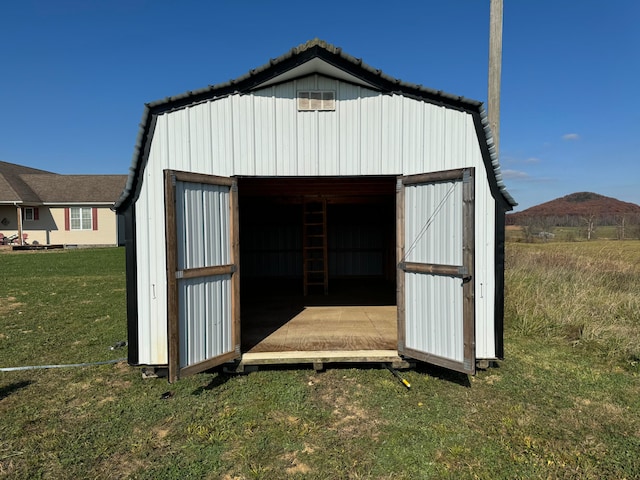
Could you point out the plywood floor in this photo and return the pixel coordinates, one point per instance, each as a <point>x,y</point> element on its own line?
<point>274,323</point>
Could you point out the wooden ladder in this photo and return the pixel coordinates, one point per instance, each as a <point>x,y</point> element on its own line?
<point>314,243</point>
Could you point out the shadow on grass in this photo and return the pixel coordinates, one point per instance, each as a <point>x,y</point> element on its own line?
<point>458,378</point>
<point>220,379</point>
<point>12,388</point>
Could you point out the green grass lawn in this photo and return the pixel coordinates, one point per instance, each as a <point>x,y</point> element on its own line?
<point>565,403</point>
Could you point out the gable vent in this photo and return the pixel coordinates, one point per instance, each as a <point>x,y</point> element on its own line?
<point>316,100</point>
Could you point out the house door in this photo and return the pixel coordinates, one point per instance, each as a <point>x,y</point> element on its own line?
<point>436,315</point>
<point>202,271</point>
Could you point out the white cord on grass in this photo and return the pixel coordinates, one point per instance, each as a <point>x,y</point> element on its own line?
<point>42,367</point>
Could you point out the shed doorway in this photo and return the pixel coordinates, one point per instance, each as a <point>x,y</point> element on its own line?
<point>342,301</point>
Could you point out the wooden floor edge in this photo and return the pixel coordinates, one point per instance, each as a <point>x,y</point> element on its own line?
<point>320,356</point>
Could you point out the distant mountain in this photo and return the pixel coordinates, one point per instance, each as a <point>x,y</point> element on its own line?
<point>567,209</point>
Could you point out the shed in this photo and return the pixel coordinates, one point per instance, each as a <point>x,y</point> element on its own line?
<point>314,210</point>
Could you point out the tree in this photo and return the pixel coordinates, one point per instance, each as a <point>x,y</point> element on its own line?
<point>621,221</point>
<point>590,222</point>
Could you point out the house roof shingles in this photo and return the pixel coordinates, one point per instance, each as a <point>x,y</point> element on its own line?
<point>77,188</point>
<point>30,186</point>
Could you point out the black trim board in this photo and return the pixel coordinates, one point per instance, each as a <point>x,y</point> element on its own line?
<point>277,67</point>
<point>498,302</point>
<point>131,285</point>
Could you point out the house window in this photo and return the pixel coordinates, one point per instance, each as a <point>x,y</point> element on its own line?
<point>315,100</point>
<point>81,218</point>
<point>30,214</point>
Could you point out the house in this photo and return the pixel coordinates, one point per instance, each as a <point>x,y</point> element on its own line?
<point>40,207</point>
<point>314,210</point>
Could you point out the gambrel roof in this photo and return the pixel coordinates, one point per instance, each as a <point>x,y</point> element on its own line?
<point>30,186</point>
<point>315,56</point>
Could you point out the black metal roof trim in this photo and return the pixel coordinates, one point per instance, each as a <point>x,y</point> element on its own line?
<point>495,162</point>
<point>299,55</point>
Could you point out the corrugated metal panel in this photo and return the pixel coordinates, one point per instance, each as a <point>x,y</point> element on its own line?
<point>348,110</point>
<point>433,231</point>
<point>150,257</point>
<point>199,206</point>
<point>485,269</point>
<point>370,128</point>
<point>356,250</point>
<point>265,128</point>
<point>391,146</point>
<point>204,298</point>
<point>203,231</point>
<point>286,122</point>
<point>275,252</point>
<point>433,235</point>
<point>328,128</point>
<point>368,134</point>
<point>429,324</point>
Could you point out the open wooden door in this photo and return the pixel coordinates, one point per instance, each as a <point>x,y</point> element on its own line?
<point>202,271</point>
<point>436,314</point>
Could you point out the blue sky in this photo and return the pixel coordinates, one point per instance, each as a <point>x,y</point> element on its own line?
<point>75,74</point>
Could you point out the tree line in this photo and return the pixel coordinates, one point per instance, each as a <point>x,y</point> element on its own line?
<point>584,227</point>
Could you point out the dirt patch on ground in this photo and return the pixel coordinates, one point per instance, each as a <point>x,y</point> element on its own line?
<point>296,466</point>
<point>9,304</point>
<point>120,465</point>
<point>350,418</point>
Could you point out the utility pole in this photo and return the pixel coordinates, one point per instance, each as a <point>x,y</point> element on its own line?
<point>495,69</point>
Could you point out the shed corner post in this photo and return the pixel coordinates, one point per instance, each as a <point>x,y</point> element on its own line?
<point>171,270</point>
<point>400,293</point>
<point>235,260</point>
<point>469,241</point>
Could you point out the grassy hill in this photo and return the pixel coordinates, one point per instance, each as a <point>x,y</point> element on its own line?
<point>581,215</point>
<point>571,208</point>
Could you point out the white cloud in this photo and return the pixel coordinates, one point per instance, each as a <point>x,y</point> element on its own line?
<point>515,160</point>
<point>515,175</point>
<point>571,137</point>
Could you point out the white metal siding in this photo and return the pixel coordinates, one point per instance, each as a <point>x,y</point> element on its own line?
<point>151,264</point>
<point>203,239</point>
<point>431,325</point>
<point>434,223</point>
<point>204,298</point>
<point>264,134</point>
<point>433,235</point>
<point>199,206</point>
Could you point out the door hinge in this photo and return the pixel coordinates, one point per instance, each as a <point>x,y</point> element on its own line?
<point>466,176</point>
<point>179,274</point>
